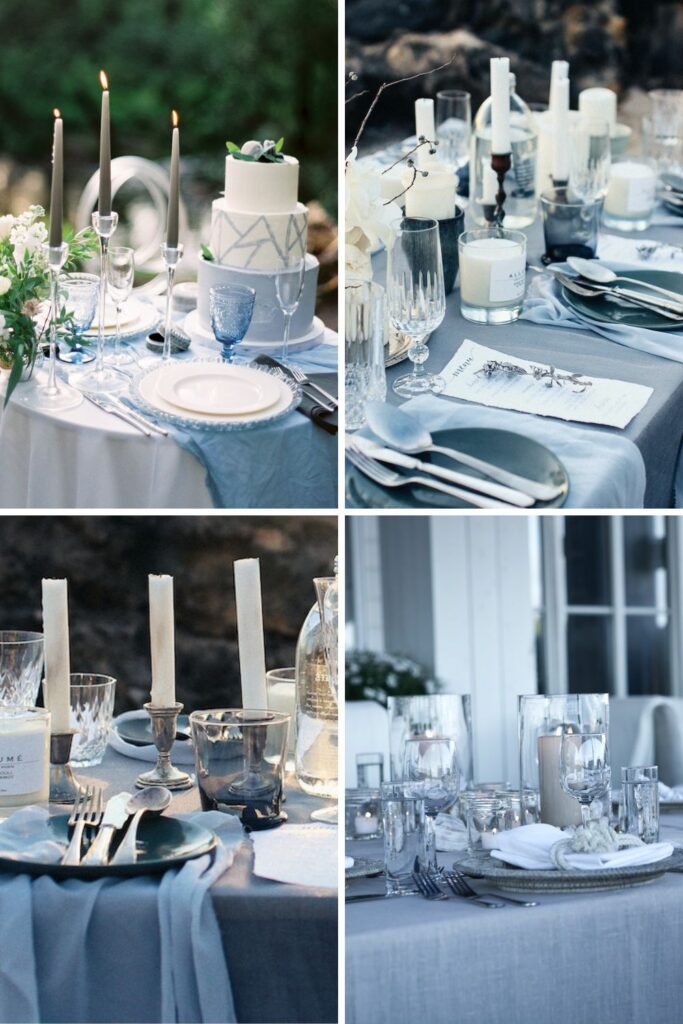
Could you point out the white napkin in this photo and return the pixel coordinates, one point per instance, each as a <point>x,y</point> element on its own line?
<point>618,249</point>
<point>26,836</point>
<point>670,794</point>
<point>182,751</point>
<point>297,854</point>
<point>529,847</point>
<point>451,833</point>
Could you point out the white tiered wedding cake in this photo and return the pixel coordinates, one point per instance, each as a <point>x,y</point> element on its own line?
<point>257,229</point>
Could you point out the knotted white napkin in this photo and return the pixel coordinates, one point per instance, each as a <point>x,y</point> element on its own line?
<point>26,836</point>
<point>529,847</point>
<point>182,751</point>
<point>297,854</point>
<point>451,833</point>
<point>670,794</point>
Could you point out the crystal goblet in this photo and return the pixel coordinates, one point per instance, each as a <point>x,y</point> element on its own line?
<point>79,293</point>
<point>231,308</point>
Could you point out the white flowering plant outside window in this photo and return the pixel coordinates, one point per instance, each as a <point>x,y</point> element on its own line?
<point>371,676</point>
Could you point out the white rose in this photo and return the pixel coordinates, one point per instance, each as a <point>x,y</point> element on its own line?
<point>6,225</point>
<point>5,285</point>
<point>365,208</point>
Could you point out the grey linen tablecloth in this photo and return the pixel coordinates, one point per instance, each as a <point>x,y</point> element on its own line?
<point>657,430</point>
<point>280,941</point>
<point>596,958</point>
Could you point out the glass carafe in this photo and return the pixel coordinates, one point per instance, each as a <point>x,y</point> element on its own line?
<point>520,180</point>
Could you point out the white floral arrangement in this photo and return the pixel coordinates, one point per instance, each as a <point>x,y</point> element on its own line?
<point>370,221</point>
<point>371,676</point>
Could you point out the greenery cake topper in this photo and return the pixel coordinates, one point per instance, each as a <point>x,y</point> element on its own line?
<point>267,152</point>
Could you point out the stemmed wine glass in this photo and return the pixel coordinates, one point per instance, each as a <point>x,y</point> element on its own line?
<point>327,591</point>
<point>416,298</point>
<point>120,277</point>
<point>430,765</point>
<point>584,771</point>
<point>289,284</point>
<point>231,308</point>
<point>80,294</point>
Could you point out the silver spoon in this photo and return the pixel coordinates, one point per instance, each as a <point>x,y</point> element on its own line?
<point>150,800</point>
<point>401,431</point>
<point>595,271</point>
<point>592,291</point>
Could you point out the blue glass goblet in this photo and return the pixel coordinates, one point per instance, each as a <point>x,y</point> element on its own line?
<point>79,294</point>
<point>231,307</point>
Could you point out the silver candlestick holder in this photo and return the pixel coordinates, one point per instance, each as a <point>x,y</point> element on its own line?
<point>63,786</point>
<point>102,378</point>
<point>172,256</point>
<point>54,394</point>
<point>164,724</point>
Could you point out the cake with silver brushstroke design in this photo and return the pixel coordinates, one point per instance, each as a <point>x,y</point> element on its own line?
<point>257,228</point>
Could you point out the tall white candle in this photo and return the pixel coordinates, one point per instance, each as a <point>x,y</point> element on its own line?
<point>489,184</point>
<point>599,105</point>
<point>250,633</point>
<point>560,115</point>
<point>56,647</point>
<point>424,125</point>
<point>557,807</point>
<point>162,641</point>
<point>500,105</point>
<point>631,192</point>
<point>559,69</point>
<point>492,272</point>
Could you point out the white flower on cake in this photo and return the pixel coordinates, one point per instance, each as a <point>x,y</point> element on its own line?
<point>369,221</point>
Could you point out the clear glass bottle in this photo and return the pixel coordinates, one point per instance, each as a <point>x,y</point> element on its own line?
<point>520,180</point>
<point>316,713</point>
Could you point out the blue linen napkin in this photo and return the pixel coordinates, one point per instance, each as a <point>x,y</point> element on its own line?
<point>135,949</point>
<point>543,304</point>
<point>608,474</point>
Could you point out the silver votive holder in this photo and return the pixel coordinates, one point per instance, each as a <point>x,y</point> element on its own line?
<point>164,724</point>
<point>63,786</point>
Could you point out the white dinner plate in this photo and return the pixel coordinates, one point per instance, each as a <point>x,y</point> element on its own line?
<point>217,388</point>
<point>146,319</point>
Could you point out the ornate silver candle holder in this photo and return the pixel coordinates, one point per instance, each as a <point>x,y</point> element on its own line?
<point>63,786</point>
<point>172,256</point>
<point>164,722</point>
<point>501,164</point>
<point>102,378</point>
<point>54,394</point>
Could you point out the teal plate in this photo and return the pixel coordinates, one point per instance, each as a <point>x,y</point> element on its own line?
<point>138,731</point>
<point>610,312</point>
<point>514,452</point>
<point>162,843</point>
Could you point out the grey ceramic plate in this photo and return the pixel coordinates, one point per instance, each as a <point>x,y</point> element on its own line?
<point>519,880</point>
<point>138,731</point>
<point>514,452</point>
<point>610,312</point>
<point>162,843</point>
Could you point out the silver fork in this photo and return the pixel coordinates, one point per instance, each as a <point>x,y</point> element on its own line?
<point>301,378</point>
<point>388,478</point>
<point>427,887</point>
<point>87,813</point>
<point>458,884</point>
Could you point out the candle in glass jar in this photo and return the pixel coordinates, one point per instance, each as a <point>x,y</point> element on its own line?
<point>631,192</point>
<point>432,196</point>
<point>24,758</point>
<point>557,807</point>
<point>492,272</point>
<point>162,640</point>
<point>57,667</point>
<point>365,824</point>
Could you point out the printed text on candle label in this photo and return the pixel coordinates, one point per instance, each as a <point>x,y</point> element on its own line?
<point>22,764</point>
<point>507,280</point>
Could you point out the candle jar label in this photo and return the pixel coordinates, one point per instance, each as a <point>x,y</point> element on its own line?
<point>506,283</point>
<point>641,195</point>
<point>22,764</point>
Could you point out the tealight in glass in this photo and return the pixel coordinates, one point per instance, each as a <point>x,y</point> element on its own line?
<point>492,275</point>
<point>630,197</point>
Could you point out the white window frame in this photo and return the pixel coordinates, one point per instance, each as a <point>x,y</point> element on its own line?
<point>556,610</point>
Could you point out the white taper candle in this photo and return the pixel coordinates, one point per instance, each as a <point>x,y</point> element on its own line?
<point>56,645</point>
<point>250,633</point>
<point>424,125</point>
<point>162,641</point>
<point>500,105</point>
<point>560,119</point>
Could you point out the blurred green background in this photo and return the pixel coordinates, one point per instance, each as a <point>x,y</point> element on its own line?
<point>235,69</point>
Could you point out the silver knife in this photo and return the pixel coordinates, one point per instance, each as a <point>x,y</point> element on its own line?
<point>139,418</point>
<point>395,458</point>
<point>115,817</point>
<point>113,411</point>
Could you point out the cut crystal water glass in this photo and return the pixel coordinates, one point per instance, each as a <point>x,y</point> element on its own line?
<point>21,667</point>
<point>92,711</point>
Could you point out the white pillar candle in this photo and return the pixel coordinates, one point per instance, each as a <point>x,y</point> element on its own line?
<point>250,633</point>
<point>424,125</point>
<point>433,195</point>
<point>489,840</point>
<point>560,116</point>
<point>559,69</point>
<point>282,698</point>
<point>162,639</point>
<point>557,807</point>
<point>500,105</point>
<point>24,758</point>
<point>631,192</point>
<point>599,105</point>
<point>56,647</point>
<point>492,272</point>
<point>365,824</point>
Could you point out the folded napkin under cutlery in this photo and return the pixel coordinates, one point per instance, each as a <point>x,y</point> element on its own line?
<point>310,404</point>
<point>529,847</point>
<point>297,854</point>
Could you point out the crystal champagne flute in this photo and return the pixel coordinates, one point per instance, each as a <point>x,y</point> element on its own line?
<point>120,277</point>
<point>289,284</point>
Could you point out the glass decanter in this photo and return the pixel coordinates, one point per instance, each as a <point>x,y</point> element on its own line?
<point>520,180</point>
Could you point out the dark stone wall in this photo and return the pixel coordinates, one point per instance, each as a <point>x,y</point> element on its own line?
<point>617,43</point>
<point>107,560</point>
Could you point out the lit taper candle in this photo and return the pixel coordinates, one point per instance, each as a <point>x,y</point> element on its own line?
<point>57,191</point>
<point>174,188</point>
<point>250,633</point>
<point>56,645</point>
<point>162,637</point>
<point>104,205</point>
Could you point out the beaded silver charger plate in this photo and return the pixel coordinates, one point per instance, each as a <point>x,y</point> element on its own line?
<point>143,395</point>
<point>521,880</point>
<point>363,867</point>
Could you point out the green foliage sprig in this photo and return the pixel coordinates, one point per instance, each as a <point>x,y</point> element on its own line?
<point>260,152</point>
